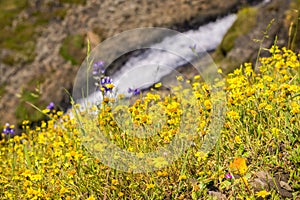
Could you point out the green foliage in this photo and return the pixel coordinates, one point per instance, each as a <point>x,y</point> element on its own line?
<point>72,49</point>
<point>30,95</point>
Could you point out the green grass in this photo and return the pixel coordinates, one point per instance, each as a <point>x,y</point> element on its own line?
<point>72,49</point>
<point>26,111</point>
<point>30,95</point>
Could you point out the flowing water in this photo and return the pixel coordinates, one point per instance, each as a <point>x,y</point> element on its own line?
<point>149,67</point>
<point>144,70</point>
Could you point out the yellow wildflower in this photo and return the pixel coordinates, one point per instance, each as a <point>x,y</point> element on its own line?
<point>114,182</point>
<point>268,107</point>
<point>238,139</point>
<point>233,115</point>
<point>162,174</point>
<point>207,104</point>
<point>201,155</point>
<point>262,194</point>
<point>157,85</point>
<point>239,165</point>
<point>182,177</point>
<point>91,198</point>
<point>197,77</point>
<point>150,186</point>
<point>179,78</point>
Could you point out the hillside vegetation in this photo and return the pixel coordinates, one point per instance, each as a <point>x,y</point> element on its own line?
<point>256,154</point>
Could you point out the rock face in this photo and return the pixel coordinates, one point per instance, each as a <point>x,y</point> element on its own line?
<point>49,74</point>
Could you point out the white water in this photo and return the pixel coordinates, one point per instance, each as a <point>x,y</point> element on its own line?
<point>149,67</point>
<point>142,71</point>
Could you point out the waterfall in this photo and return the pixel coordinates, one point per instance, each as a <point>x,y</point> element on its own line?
<point>149,67</point>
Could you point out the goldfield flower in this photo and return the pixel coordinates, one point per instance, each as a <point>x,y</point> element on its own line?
<point>182,177</point>
<point>201,156</point>
<point>157,85</point>
<point>238,139</point>
<point>233,115</point>
<point>120,194</point>
<point>150,186</point>
<point>48,161</point>
<point>295,108</point>
<point>275,131</point>
<point>268,107</point>
<point>262,193</point>
<point>162,173</point>
<point>207,104</point>
<point>91,198</point>
<point>248,69</point>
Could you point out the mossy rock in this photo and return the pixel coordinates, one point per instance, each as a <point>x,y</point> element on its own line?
<point>43,18</point>
<point>73,1</point>
<point>246,20</point>
<point>21,40</point>
<point>9,59</point>
<point>72,49</point>
<point>9,10</point>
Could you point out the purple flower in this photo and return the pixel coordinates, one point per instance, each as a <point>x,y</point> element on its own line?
<point>229,176</point>
<point>106,80</point>
<point>8,129</point>
<point>106,84</point>
<point>135,91</point>
<point>98,68</point>
<point>51,106</point>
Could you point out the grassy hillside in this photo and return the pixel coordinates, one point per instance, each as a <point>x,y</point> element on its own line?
<point>256,154</point>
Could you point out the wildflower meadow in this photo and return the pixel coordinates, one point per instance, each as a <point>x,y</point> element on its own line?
<point>256,155</point>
